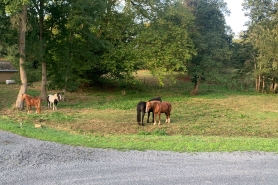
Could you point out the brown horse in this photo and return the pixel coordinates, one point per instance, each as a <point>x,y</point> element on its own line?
<point>158,108</point>
<point>32,101</point>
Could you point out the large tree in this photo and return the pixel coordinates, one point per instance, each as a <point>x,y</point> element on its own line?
<point>20,8</point>
<point>211,40</point>
<point>262,34</point>
<point>74,46</point>
<point>164,44</point>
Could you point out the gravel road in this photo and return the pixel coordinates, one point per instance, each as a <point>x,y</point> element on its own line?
<point>29,161</point>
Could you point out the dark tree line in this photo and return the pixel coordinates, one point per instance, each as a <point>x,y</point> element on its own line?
<point>72,42</point>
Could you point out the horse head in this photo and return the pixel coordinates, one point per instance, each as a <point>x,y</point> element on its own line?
<point>58,96</point>
<point>24,97</point>
<point>149,105</point>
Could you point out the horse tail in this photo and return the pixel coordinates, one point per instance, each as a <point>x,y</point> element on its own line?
<point>170,106</point>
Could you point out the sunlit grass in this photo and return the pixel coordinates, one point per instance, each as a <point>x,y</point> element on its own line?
<point>215,120</point>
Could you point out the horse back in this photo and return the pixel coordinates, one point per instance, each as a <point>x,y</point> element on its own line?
<point>166,107</point>
<point>141,106</point>
<point>35,101</point>
<point>155,106</point>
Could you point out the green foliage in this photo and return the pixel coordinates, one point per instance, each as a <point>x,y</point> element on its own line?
<point>91,41</point>
<point>8,36</point>
<point>159,132</point>
<point>164,44</point>
<point>211,41</point>
<point>156,132</point>
<point>262,34</point>
<point>13,6</point>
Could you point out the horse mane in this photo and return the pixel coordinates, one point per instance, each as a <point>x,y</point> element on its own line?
<point>156,99</point>
<point>57,96</point>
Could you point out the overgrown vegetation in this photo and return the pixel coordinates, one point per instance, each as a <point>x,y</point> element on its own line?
<point>216,120</point>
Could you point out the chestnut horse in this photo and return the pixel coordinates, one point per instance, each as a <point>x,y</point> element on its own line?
<point>158,108</point>
<point>32,101</point>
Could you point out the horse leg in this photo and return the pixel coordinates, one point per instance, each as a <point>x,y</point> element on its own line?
<point>55,104</point>
<point>166,121</point>
<point>138,116</point>
<point>148,116</point>
<point>28,109</point>
<point>154,123</point>
<point>142,121</point>
<point>159,118</point>
<point>37,109</point>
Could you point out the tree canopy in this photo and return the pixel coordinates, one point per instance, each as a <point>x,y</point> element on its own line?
<point>73,42</point>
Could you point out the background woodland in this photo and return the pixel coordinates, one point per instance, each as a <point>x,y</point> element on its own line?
<point>69,43</point>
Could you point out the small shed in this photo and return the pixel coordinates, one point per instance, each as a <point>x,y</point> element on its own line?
<point>7,70</point>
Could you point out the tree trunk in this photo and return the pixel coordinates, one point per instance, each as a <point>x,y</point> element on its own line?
<point>275,86</point>
<point>44,75</point>
<point>257,85</point>
<point>195,90</point>
<point>263,85</point>
<point>44,82</point>
<point>23,75</point>
<point>258,79</point>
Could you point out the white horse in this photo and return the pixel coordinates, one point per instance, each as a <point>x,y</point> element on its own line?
<point>53,99</point>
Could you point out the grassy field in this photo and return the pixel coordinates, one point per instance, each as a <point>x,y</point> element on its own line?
<point>215,120</point>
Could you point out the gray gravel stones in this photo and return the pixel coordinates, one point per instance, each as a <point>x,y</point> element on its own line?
<point>30,161</point>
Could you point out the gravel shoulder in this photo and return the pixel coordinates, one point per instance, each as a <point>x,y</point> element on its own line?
<point>30,161</point>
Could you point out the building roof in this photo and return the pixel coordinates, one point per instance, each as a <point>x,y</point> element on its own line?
<point>6,66</point>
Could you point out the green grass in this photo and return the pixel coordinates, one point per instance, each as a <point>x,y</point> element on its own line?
<point>151,141</point>
<point>215,120</point>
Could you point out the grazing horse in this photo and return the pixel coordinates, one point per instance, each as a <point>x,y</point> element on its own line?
<point>141,107</point>
<point>158,108</point>
<point>32,101</point>
<point>53,99</point>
